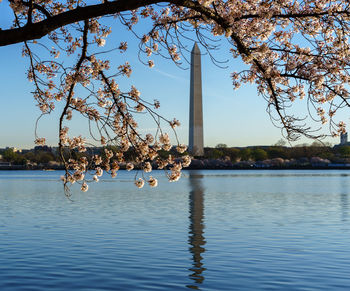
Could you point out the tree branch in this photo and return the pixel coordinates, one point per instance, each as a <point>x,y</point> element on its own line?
<point>42,28</point>
<point>37,7</point>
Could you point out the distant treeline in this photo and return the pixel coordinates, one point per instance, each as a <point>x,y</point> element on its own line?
<point>333,154</point>
<point>45,155</point>
<point>29,156</point>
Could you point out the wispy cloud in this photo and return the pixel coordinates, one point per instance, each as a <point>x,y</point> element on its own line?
<point>170,75</point>
<point>149,129</point>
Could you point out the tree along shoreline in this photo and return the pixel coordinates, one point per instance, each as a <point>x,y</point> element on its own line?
<point>202,165</point>
<point>220,157</point>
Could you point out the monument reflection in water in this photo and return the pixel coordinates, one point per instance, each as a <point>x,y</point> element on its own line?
<point>344,203</point>
<point>196,229</point>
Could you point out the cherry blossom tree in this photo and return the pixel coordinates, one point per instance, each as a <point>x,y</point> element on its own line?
<point>293,49</point>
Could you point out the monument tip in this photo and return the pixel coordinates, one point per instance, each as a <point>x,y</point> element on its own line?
<point>195,48</point>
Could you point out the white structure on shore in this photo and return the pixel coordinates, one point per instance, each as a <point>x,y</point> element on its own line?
<point>195,144</point>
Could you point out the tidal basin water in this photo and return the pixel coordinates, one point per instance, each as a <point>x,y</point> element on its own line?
<point>212,230</point>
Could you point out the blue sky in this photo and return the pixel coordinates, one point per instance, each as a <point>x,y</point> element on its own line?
<point>236,118</point>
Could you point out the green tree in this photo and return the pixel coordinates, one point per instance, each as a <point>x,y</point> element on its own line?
<point>344,151</point>
<point>213,153</point>
<point>246,154</point>
<point>278,152</point>
<point>44,157</point>
<point>20,160</point>
<point>9,155</point>
<point>30,156</point>
<point>259,154</point>
<point>233,153</point>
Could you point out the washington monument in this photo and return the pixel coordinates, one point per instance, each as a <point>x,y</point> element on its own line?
<point>195,143</point>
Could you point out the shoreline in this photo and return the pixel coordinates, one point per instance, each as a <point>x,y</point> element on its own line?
<point>309,167</point>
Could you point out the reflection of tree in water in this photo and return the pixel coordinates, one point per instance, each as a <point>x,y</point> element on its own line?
<point>196,229</point>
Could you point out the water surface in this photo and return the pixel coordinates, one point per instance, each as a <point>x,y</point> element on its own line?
<point>212,230</point>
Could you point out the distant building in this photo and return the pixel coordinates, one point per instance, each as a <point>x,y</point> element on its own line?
<point>343,140</point>
<point>15,150</point>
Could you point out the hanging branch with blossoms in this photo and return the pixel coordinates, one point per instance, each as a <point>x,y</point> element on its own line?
<point>294,51</point>
<point>107,108</point>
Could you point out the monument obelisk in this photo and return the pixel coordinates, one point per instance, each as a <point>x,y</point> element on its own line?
<point>195,143</point>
